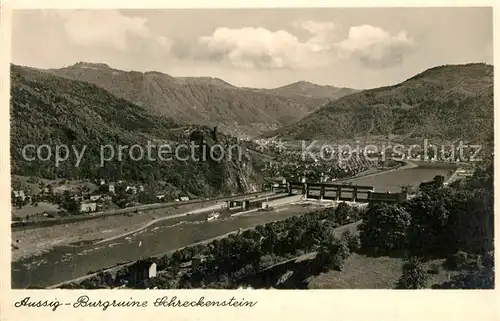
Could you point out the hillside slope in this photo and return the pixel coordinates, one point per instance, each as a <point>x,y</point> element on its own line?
<point>46,109</point>
<point>203,100</point>
<point>307,89</point>
<point>449,102</point>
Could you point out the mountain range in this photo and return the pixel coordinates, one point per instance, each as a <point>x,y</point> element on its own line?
<point>55,111</point>
<point>205,100</point>
<point>93,104</point>
<point>445,103</point>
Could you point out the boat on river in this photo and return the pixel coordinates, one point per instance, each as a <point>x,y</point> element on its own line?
<point>213,216</point>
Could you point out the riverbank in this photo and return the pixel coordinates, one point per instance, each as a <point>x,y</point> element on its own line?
<point>366,174</point>
<point>284,212</point>
<point>155,221</point>
<point>34,242</point>
<point>45,222</point>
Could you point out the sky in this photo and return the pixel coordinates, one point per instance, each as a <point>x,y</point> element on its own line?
<point>264,48</point>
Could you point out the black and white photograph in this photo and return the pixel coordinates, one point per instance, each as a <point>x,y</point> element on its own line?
<point>252,148</point>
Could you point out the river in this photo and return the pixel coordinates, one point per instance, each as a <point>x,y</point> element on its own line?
<point>69,262</point>
<point>392,181</point>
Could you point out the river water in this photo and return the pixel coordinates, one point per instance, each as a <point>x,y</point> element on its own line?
<point>392,181</point>
<point>69,262</point>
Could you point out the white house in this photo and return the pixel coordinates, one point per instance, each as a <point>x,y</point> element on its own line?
<point>131,189</point>
<point>142,271</point>
<point>152,270</point>
<point>88,207</point>
<point>19,194</point>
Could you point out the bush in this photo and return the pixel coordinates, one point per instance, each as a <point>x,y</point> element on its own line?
<point>457,261</point>
<point>414,276</point>
<point>489,259</point>
<point>333,253</point>
<point>483,278</point>
<point>353,242</point>
<point>434,268</point>
<point>343,213</point>
<point>339,254</point>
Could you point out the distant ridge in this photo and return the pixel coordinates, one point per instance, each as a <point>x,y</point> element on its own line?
<point>51,110</point>
<point>309,89</point>
<point>206,100</point>
<point>446,103</point>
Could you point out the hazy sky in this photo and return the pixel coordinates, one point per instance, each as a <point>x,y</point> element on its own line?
<point>356,47</point>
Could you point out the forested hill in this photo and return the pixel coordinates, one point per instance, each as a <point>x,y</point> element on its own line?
<point>205,100</point>
<point>46,109</point>
<point>449,102</point>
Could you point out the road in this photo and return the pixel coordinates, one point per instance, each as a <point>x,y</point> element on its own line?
<point>133,209</point>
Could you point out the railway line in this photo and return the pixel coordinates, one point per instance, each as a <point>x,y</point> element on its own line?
<point>133,210</point>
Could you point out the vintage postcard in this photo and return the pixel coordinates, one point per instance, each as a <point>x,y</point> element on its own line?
<point>183,148</point>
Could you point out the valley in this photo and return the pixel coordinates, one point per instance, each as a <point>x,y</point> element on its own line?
<point>102,214</point>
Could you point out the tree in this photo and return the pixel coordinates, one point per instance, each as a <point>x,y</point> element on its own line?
<point>146,198</point>
<point>429,216</point>
<point>343,213</point>
<point>432,186</point>
<point>351,240</point>
<point>384,229</point>
<point>414,275</point>
<point>481,278</point>
<point>407,189</point>
<point>438,181</point>
<point>333,253</point>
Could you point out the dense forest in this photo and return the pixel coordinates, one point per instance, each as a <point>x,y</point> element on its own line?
<point>446,103</point>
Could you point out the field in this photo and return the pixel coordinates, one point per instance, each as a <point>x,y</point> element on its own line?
<point>359,272</point>
<point>29,209</point>
<point>362,272</point>
<point>32,185</point>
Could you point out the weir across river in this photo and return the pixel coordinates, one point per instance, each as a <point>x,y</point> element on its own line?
<point>339,192</point>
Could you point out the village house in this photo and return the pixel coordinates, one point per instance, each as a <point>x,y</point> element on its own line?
<point>141,271</point>
<point>88,207</point>
<point>184,198</point>
<point>19,194</point>
<point>111,188</point>
<point>160,197</point>
<point>197,260</point>
<point>131,189</point>
<point>105,198</point>
<point>194,262</point>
